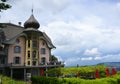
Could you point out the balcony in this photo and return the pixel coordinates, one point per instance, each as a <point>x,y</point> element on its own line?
<point>41,65</point>
<point>2,53</point>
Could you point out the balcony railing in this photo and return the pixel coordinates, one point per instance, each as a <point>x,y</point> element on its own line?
<point>53,63</point>
<point>50,64</point>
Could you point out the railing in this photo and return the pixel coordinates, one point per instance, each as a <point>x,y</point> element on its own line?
<point>41,64</point>
<point>2,53</point>
<point>53,63</point>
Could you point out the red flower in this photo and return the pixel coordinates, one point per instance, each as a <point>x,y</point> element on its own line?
<point>97,74</point>
<point>78,74</point>
<point>107,72</point>
<point>114,71</point>
<point>42,72</point>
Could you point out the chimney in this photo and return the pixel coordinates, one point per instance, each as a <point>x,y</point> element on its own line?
<point>19,23</point>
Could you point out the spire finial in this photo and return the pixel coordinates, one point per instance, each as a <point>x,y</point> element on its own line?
<point>32,9</point>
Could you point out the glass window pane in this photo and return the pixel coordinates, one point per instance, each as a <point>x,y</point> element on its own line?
<point>43,60</point>
<point>34,44</point>
<point>17,60</point>
<point>43,51</point>
<point>17,49</point>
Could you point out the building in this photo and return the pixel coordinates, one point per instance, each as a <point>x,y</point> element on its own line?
<point>25,50</point>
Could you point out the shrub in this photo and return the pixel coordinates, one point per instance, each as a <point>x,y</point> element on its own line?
<point>52,80</point>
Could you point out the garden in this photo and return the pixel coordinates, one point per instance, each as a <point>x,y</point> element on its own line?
<point>79,75</point>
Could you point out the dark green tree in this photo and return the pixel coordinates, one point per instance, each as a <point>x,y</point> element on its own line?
<point>3,6</point>
<point>53,58</point>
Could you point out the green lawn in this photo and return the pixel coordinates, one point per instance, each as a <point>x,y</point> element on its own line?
<point>7,80</point>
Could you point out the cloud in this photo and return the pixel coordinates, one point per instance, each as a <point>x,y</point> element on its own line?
<point>60,58</point>
<point>92,52</point>
<point>98,58</point>
<point>108,57</point>
<point>78,28</point>
<point>72,60</point>
<point>86,58</point>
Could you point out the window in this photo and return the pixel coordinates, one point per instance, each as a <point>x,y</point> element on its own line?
<point>17,41</point>
<point>28,63</point>
<point>28,43</point>
<point>33,62</point>
<point>17,49</point>
<point>1,48</point>
<point>43,43</point>
<point>43,51</point>
<point>28,54</point>
<point>34,44</point>
<point>43,60</point>
<point>3,61</point>
<point>34,54</point>
<point>17,60</point>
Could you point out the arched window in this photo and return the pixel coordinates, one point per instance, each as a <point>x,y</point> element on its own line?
<point>17,40</point>
<point>17,49</point>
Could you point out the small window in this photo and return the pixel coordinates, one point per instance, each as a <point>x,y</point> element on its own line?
<point>1,48</point>
<point>28,63</point>
<point>43,51</point>
<point>2,60</point>
<point>17,49</point>
<point>28,43</point>
<point>43,43</point>
<point>28,54</point>
<point>43,60</point>
<point>34,63</point>
<point>17,60</point>
<point>34,44</point>
<point>17,41</point>
<point>34,54</point>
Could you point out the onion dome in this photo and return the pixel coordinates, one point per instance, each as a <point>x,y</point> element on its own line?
<point>32,23</point>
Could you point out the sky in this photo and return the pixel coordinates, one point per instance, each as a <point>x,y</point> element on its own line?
<point>85,32</point>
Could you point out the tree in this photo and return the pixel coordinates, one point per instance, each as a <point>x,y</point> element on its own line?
<point>3,5</point>
<point>53,58</point>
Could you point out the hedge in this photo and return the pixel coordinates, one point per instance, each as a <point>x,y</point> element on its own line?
<point>53,80</point>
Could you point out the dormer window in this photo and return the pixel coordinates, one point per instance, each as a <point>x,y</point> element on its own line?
<point>17,40</point>
<point>43,43</point>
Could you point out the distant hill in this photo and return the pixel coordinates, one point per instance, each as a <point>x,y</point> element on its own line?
<point>112,64</point>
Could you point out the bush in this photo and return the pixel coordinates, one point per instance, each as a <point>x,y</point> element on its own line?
<point>52,80</point>
<point>85,72</point>
<point>7,80</point>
